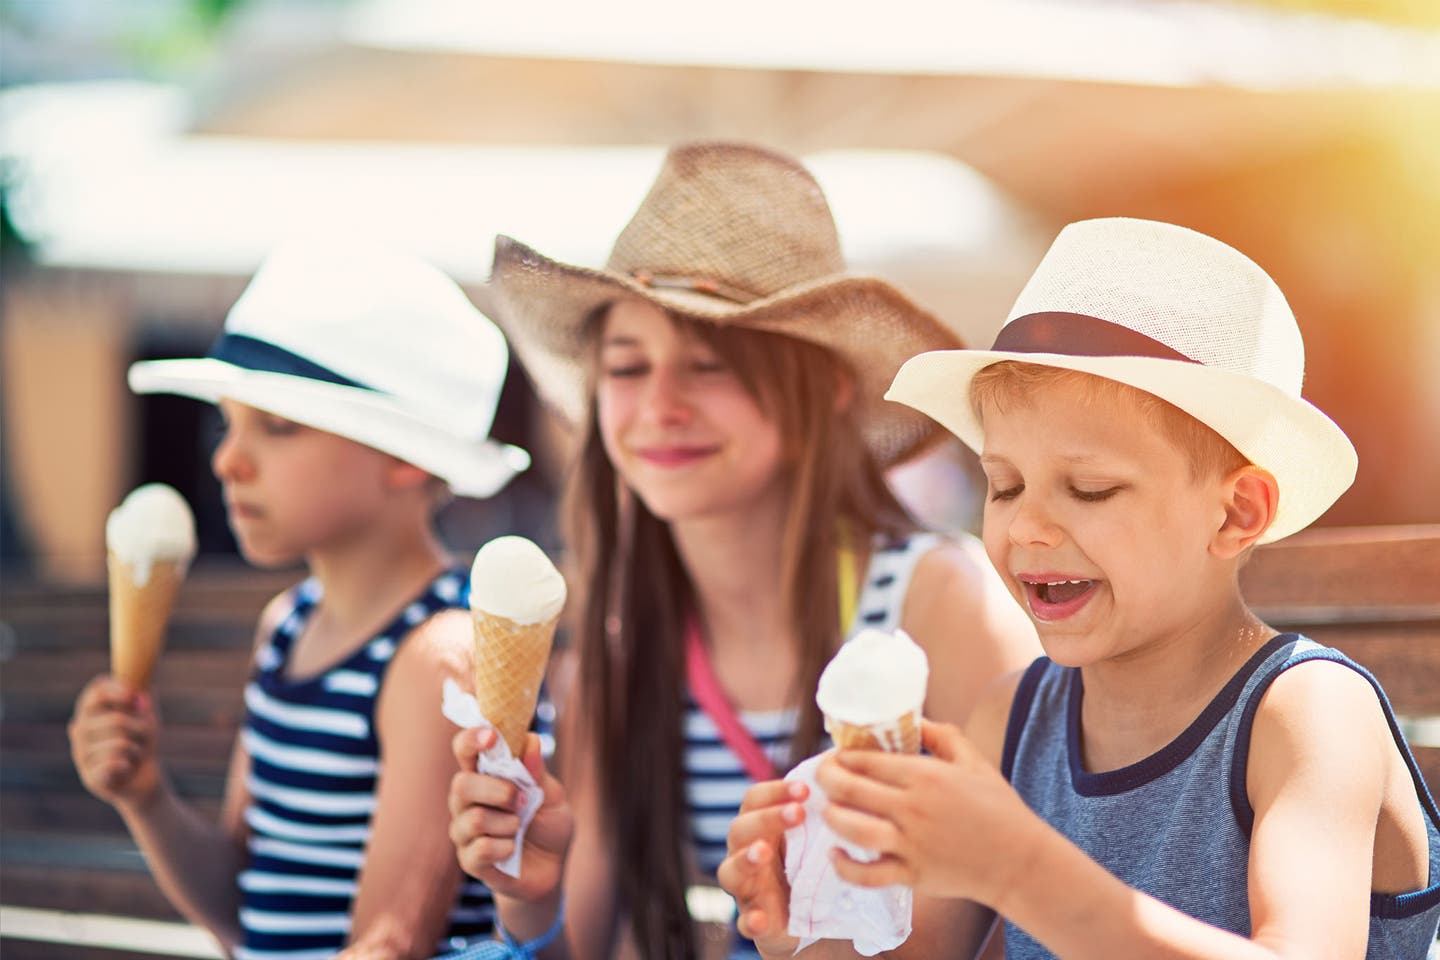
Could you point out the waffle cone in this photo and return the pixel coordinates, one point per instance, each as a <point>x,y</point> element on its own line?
<point>510,661</point>
<point>901,735</point>
<point>139,614</point>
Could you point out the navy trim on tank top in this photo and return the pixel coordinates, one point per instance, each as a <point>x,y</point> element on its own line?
<point>1019,710</point>
<point>1382,905</point>
<point>1171,755</point>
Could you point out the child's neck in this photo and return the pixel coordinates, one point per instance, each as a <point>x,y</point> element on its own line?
<point>1136,704</point>
<point>364,584</point>
<point>735,566</point>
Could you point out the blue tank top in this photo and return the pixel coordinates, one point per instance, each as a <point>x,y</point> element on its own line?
<point>1176,825</point>
<point>314,760</point>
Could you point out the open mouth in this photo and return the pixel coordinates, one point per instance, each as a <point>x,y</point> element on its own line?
<point>1056,599</point>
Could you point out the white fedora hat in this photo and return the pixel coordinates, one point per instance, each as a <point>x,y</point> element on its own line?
<point>367,343</point>
<point>1179,315</point>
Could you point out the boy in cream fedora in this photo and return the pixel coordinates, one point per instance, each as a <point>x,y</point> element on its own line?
<point>357,384</point>
<point>1174,778</point>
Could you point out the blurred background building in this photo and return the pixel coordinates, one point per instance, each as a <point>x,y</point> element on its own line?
<point>152,152</point>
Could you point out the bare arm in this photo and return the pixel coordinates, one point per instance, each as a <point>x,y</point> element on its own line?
<point>971,628</point>
<point>408,883</point>
<point>195,862</point>
<point>590,895</point>
<point>1316,775</point>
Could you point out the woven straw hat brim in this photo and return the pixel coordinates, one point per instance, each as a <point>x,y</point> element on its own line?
<point>1312,460</point>
<point>471,467</point>
<point>542,305</point>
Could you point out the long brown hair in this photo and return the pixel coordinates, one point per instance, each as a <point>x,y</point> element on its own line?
<point>632,596</point>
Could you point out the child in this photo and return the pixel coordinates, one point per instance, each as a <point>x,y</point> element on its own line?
<point>731,525</point>
<point>1186,782</point>
<point>357,386</point>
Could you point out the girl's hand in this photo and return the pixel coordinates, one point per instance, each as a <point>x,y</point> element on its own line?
<point>483,821</point>
<point>754,870</point>
<point>947,824</point>
<point>112,742</point>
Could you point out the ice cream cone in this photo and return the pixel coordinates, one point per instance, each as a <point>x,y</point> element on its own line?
<point>510,661</point>
<point>140,604</point>
<point>901,735</point>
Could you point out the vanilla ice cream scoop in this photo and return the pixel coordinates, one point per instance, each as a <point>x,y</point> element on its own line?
<point>152,524</point>
<point>875,677</point>
<point>512,578</point>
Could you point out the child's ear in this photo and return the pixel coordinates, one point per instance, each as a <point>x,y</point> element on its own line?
<point>1251,499</point>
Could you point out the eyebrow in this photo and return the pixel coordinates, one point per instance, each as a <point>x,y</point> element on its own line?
<point>1074,459</point>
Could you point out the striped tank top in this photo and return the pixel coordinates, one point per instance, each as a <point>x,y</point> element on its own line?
<point>715,778</point>
<point>314,762</point>
<point>1176,825</point>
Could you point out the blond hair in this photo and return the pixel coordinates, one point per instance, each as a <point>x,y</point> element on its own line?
<point>1010,382</point>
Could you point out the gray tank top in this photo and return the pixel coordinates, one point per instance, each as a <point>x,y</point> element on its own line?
<point>1176,825</point>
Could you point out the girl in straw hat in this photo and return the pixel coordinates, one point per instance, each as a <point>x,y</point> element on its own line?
<point>730,525</point>
<point>335,453</point>
<point>1183,781</point>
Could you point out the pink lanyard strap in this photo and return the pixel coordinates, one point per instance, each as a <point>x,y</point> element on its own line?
<point>705,688</point>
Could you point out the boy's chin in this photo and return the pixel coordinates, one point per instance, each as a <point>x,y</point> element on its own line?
<point>269,559</point>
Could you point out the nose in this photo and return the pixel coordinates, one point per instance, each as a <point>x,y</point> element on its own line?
<point>667,399</point>
<point>1031,524</point>
<point>231,463</point>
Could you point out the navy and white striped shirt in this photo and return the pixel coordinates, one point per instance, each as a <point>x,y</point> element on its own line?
<point>314,762</point>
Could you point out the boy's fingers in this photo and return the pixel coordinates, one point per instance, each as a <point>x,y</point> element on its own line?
<point>885,872</point>
<point>769,793</point>
<point>871,832</point>
<point>941,739</point>
<point>845,784</point>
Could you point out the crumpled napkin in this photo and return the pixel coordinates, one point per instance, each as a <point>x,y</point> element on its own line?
<point>824,907</point>
<point>463,710</point>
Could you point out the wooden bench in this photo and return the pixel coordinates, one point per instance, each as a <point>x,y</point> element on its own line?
<point>1372,592</point>
<point>60,848</point>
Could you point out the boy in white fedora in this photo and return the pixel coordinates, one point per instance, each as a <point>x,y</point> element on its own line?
<point>1174,778</point>
<point>357,386</point>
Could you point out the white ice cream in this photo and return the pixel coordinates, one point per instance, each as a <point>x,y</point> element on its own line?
<point>874,678</point>
<point>512,578</point>
<point>152,523</point>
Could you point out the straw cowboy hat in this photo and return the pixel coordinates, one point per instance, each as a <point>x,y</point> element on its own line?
<point>366,343</point>
<point>731,235</point>
<point>1178,315</point>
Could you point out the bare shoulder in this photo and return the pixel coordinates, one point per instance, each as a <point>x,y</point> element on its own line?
<point>991,716</point>
<point>271,616</point>
<point>954,580</point>
<point>972,629</point>
<point>441,646</point>
<point>1320,723</point>
<point>1320,692</point>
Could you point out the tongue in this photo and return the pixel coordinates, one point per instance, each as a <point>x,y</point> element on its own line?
<point>1063,592</point>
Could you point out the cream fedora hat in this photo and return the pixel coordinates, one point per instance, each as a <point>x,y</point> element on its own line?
<point>1179,315</point>
<point>730,235</point>
<point>367,343</point>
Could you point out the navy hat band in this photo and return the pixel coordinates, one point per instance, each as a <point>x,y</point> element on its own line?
<point>253,354</point>
<point>1079,335</point>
